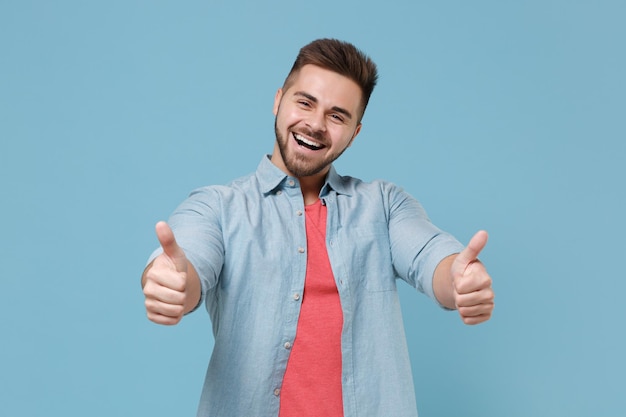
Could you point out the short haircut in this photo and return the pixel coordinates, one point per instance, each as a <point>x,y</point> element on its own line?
<point>340,57</point>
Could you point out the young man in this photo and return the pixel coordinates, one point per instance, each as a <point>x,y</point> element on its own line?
<point>297,265</point>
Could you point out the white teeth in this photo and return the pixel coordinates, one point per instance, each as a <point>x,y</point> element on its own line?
<point>308,142</point>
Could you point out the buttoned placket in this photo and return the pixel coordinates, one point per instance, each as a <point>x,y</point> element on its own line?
<point>292,200</point>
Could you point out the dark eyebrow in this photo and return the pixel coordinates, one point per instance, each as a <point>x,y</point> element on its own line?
<point>314,100</point>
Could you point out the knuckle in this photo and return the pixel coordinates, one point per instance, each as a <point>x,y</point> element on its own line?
<point>181,298</point>
<point>488,282</point>
<point>178,311</point>
<point>148,289</point>
<point>460,300</point>
<point>152,273</point>
<point>179,282</point>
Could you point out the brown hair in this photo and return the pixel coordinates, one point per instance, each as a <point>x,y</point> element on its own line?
<point>340,57</point>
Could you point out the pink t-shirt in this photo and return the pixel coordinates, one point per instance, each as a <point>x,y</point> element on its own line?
<point>312,382</point>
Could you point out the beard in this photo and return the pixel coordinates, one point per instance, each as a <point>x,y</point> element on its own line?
<point>299,165</point>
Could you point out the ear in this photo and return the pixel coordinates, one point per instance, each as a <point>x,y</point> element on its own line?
<point>356,132</point>
<point>277,98</point>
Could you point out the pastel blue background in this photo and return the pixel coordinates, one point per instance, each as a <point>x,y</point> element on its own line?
<point>502,115</point>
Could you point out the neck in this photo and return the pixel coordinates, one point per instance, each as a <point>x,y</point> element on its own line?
<point>311,187</point>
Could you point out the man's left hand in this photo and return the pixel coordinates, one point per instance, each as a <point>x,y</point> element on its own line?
<point>473,295</point>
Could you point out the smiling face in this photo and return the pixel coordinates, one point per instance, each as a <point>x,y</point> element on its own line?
<point>317,117</point>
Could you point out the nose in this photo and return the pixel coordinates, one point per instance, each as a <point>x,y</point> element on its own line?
<point>317,121</point>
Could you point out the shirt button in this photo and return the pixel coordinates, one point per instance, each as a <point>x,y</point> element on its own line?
<point>296,297</point>
<point>279,192</point>
<point>291,183</point>
<point>277,392</point>
<point>287,345</point>
<point>301,249</point>
<point>299,212</point>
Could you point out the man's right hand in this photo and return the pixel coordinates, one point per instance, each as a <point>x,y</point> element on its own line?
<point>165,281</point>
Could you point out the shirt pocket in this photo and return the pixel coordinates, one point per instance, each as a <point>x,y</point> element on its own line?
<point>371,257</point>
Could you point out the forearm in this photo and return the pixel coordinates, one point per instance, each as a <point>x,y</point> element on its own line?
<point>443,283</point>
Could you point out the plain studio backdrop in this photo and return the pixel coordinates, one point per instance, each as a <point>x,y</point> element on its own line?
<point>497,115</point>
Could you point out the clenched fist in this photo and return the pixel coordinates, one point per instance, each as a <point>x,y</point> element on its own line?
<point>170,283</point>
<point>473,295</point>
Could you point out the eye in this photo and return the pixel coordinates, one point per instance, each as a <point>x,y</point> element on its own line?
<point>304,103</point>
<point>337,117</point>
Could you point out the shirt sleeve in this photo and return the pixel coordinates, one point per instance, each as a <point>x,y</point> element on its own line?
<point>417,245</point>
<point>197,228</point>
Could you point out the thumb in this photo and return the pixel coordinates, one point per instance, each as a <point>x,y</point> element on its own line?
<point>170,247</point>
<point>470,253</point>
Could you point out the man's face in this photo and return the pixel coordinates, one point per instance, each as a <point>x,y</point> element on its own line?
<point>317,118</point>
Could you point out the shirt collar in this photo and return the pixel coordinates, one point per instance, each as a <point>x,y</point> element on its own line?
<point>270,177</point>
<point>335,182</point>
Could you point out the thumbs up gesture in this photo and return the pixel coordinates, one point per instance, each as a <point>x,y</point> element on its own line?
<point>473,295</point>
<point>165,280</point>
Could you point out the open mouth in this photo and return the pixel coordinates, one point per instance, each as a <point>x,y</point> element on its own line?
<point>307,143</point>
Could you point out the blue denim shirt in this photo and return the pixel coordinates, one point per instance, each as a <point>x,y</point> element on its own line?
<point>247,241</point>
